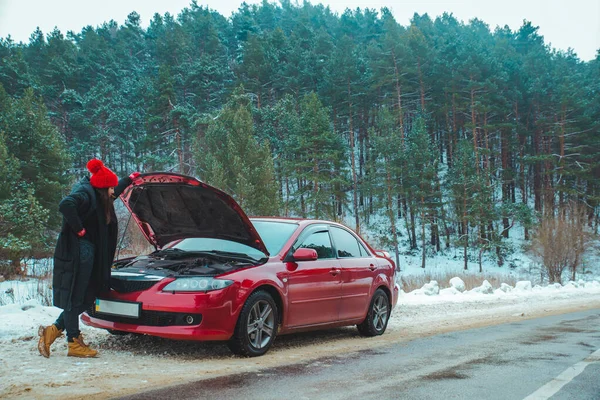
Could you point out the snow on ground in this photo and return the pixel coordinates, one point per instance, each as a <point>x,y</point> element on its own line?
<point>446,298</point>
<point>130,363</point>
<point>26,314</point>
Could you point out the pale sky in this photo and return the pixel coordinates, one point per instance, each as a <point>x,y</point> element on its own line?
<point>563,23</point>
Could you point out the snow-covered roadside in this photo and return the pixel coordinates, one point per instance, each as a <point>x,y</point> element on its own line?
<point>129,363</point>
<point>23,317</point>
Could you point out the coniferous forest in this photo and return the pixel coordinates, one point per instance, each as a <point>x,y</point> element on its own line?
<point>441,134</point>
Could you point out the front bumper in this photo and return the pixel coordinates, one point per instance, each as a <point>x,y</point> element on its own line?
<point>184,316</point>
<point>196,332</point>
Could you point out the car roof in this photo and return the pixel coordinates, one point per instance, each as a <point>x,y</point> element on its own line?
<point>277,219</point>
<point>299,221</point>
<point>304,222</point>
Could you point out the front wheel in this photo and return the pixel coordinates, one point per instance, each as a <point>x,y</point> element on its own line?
<point>256,326</point>
<point>377,316</point>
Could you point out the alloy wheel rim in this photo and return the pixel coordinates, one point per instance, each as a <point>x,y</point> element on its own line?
<point>261,324</point>
<point>380,313</point>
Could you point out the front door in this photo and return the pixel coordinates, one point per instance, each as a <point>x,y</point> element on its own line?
<point>314,287</point>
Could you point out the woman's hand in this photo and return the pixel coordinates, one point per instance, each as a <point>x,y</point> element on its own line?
<point>134,175</point>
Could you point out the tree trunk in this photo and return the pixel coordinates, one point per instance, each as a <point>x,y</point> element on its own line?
<point>399,95</point>
<point>465,226</point>
<point>537,172</point>
<point>421,85</point>
<point>316,186</point>
<point>549,204</point>
<point>505,183</point>
<point>423,233</point>
<point>466,242</point>
<point>406,218</point>
<point>287,196</point>
<point>302,202</point>
<point>179,148</point>
<point>486,160</point>
<point>522,166</point>
<point>435,233</point>
<point>446,227</point>
<point>361,158</point>
<point>391,214</point>
<point>413,224</point>
<point>474,122</point>
<point>353,163</point>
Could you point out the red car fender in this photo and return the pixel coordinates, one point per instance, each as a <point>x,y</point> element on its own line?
<point>379,281</point>
<point>249,286</point>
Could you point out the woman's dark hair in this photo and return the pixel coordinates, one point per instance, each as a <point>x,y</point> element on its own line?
<point>106,204</point>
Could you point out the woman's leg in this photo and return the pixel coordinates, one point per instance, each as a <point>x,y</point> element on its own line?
<point>60,321</point>
<point>82,280</point>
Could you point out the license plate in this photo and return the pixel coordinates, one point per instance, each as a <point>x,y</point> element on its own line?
<point>121,308</point>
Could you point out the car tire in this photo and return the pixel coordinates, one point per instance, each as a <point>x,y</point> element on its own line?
<point>377,317</point>
<point>256,327</point>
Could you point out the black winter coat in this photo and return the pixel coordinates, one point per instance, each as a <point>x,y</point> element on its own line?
<point>79,206</point>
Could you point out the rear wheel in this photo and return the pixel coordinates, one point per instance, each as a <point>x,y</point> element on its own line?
<point>377,316</point>
<point>256,326</point>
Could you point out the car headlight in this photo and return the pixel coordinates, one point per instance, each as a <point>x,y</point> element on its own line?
<point>196,285</point>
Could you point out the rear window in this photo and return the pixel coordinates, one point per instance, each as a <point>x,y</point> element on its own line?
<point>274,233</point>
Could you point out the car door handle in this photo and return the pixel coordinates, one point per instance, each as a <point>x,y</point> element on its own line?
<point>334,271</point>
<point>372,267</point>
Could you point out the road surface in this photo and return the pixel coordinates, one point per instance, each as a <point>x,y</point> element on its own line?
<point>554,357</point>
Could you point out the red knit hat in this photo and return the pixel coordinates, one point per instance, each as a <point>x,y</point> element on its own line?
<point>102,177</point>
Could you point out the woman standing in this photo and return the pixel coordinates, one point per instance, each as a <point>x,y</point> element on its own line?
<point>84,254</point>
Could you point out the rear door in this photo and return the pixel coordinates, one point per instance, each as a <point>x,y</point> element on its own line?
<point>358,272</point>
<point>314,287</point>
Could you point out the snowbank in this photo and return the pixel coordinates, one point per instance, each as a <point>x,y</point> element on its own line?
<point>24,313</point>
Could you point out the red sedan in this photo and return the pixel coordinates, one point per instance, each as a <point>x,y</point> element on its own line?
<point>218,275</point>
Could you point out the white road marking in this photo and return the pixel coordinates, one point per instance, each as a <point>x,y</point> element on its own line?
<point>552,387</point>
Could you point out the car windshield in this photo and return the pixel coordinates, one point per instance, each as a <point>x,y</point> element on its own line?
<point>274,233</point>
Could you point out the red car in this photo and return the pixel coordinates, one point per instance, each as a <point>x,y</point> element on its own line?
<point>218,275</point>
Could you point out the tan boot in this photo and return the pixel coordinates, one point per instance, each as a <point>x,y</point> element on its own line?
<point>47,336</point>
<point>80,337</point>
<point>77,348</point>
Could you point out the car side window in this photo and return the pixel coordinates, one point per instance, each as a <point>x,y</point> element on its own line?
<point>363,250</point>
<point>320,242</point>
<point>346,244</point>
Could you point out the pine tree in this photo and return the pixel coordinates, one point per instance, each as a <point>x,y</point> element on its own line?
<point>387,165</point>
<point>230,158</point>
<point>14,69</point>
<point>34,162</point>
<point>421,177</point>
<point>463,184</point>
<point>140,97</point>
<point>280,125</point>
<point>319,166</point>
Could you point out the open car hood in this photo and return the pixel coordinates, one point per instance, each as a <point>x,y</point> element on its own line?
<point>170,207</point>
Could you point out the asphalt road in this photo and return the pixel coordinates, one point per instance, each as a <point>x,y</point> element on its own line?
<point>555,357</point>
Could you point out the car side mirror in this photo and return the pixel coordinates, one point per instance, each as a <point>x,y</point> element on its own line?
<point>304,254</point>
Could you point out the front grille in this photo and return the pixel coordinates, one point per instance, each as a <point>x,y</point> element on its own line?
<point>128,286</point>
<point>150,318</point>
